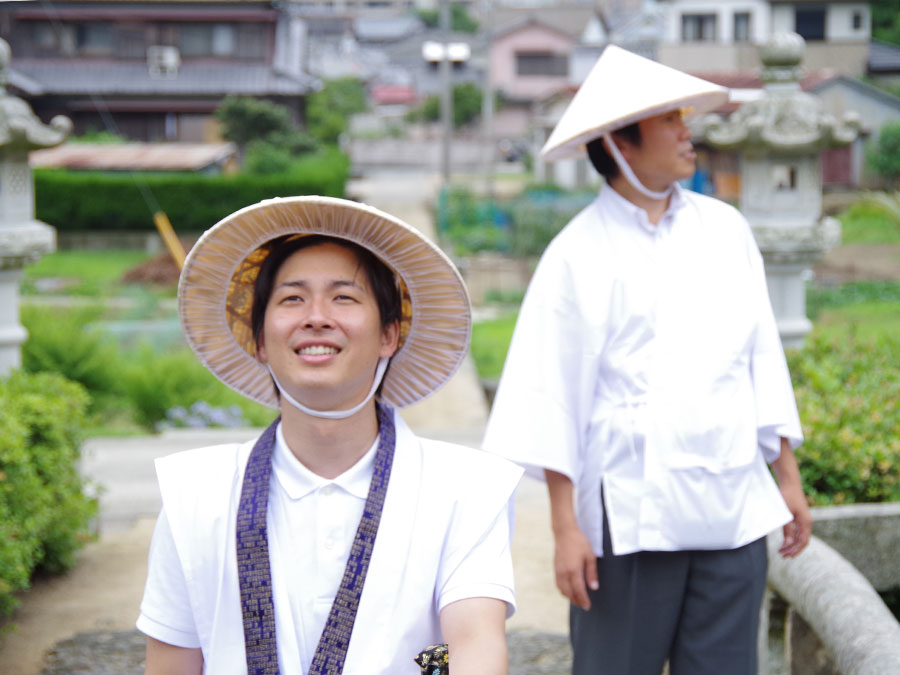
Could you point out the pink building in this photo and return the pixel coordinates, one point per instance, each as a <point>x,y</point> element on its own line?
<point>529,60</point>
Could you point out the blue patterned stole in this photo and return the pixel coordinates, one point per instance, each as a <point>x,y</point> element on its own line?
<point>255,576</point>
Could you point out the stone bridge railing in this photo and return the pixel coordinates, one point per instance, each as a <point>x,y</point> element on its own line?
<point>834,620</point>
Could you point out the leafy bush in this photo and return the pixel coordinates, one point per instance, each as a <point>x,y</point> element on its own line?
<point>848,392</point>
<point>884,155</point>
<point>60,342</point>
<point>522,226</point>
<point>875,219</point>
<point>78,201</point>
<point>470,224</point>
<point>44,513</point>
<point>140,385</point>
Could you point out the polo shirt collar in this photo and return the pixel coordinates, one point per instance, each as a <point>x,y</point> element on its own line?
<point>298,481</point>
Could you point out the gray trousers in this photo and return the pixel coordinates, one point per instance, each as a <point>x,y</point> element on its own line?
<point>699,609</point>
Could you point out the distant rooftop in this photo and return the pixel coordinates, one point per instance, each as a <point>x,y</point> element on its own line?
<point>134,156</point>
<point>106,78</point>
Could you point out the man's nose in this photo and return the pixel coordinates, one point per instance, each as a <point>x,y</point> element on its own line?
<point>317,314</point>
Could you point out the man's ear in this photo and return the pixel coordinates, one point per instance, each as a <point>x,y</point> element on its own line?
<point>622,144</point>
<point>390,339</point>
<point>261,348</point>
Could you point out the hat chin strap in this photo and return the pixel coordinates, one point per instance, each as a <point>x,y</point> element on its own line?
<point>625,168</point>
<point>335,414</point>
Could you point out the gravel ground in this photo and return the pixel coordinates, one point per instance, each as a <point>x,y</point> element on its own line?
<point>122,653</point>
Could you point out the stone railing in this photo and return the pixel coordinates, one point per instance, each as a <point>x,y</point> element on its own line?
<point>834,620</point>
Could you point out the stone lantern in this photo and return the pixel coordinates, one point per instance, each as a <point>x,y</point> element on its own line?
<point>23,239</point>
<point>780,137</point>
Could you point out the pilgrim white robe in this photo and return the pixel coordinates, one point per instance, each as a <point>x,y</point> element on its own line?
<point>646,361</point>
<point>442,502</point>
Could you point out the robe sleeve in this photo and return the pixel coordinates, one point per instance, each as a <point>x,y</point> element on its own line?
<point>776,407</point>
<point>536,420</point>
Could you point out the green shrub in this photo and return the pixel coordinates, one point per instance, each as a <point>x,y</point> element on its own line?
<point>155,383</point>
<point>61,342</point>
<point>873,220</point>
<point>44,513</point>
<point>78,201</point>
<point>848,392</point>
<point>883,155</point>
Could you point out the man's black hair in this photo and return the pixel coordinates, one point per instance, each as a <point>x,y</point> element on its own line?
<point>381,279</point>
<point>601,159</point>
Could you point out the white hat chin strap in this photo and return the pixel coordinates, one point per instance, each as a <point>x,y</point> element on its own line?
<point>625,168</point>
<point>335,414</point>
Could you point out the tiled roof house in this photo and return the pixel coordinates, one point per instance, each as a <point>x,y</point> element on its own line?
<point>153,70</point>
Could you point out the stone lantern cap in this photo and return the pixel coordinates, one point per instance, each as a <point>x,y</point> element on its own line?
<point>20,128</point>
<point>785,120</point>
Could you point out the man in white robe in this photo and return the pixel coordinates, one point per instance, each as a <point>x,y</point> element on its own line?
<point>337,542</point>
<point>647,385</point>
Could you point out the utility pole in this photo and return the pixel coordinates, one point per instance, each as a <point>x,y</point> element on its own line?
<point>487,104</point>
<point>446,94</point>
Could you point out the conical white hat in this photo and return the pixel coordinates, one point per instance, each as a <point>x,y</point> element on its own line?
<point>623,88</point>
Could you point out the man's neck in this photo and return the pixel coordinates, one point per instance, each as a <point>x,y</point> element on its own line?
<point>328,447</point>
<point>655,208</point>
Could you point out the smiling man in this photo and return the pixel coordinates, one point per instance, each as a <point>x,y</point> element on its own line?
<point>648,365</point>
<point>338,541</point>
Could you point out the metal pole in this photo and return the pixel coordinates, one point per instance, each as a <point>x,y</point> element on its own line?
<point>446,94</point>
<point>487,105</point>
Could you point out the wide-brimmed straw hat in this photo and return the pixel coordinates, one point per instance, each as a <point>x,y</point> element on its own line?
<point>623,88</point>
<point>215,293</point>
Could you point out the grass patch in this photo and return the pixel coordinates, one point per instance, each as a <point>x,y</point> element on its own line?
<point>865,321</point>
<point>85,273</point>
<point>866,223</point>
<point>490,342</point>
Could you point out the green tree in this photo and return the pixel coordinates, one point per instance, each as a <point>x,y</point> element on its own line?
<point>460,19</point>
<point>466,106</point>
<point>886,20</point>
<point>884,155</point>
<point>329,109</point>
<point>246,119</point>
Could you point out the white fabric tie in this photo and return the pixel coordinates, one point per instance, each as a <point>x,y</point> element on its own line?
<point>335,414</point>
<point>625,168</point>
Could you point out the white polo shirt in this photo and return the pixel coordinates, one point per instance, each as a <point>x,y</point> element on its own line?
<point>646,359</point>
<point>454,541</point>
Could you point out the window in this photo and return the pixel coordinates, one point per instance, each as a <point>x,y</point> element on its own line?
<point>810,23</point>
<point>784,177</point>
<point>94,39</point>
<point>857,20</point>
<point>742,27</point>
<point>542,63</point>
<point>698,27</point>
<point>202,39</point>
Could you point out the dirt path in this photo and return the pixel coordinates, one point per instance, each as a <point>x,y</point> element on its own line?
<point>854,262</point>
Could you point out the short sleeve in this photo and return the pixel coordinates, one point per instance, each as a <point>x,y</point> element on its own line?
<point>165,609</point>
<point>478,562</point>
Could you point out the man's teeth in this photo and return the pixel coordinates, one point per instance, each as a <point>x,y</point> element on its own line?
<point>317,350</point>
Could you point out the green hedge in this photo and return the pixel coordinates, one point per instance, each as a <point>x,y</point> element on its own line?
<point>44,513</point>
<point>79,201</point>
<point>848,392</point>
